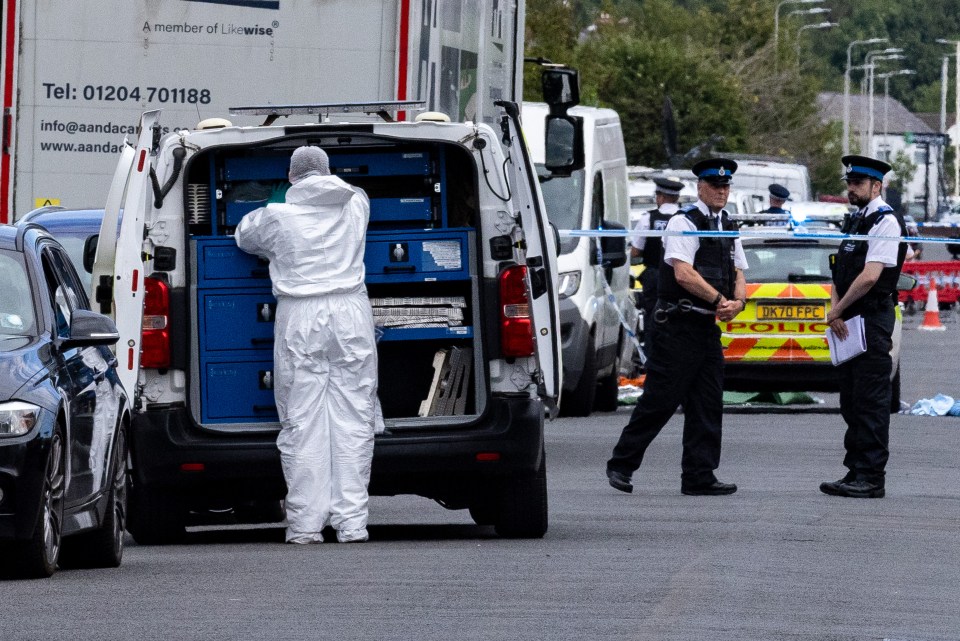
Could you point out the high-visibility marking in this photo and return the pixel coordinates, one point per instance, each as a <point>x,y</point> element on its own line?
<point>130,358</point>
<point>45,202</point>
<point>403,55</point>
<point>791,350</point>
<point>142,161</point>
<point>136,281</point>
<point>10,42</point>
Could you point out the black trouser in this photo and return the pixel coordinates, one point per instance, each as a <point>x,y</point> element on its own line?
<point>648,280</point>
<point>685,365</point>
<point>865,398</point>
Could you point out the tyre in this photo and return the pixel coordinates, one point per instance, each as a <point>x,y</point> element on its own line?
<point>103,547</point>
<point>483,511</point>
<point>38,556</point>
<point>522,509</point>
<point>155,518</point>
<point>579,402</point>
<point>608,389</point>
<point>895,392</point>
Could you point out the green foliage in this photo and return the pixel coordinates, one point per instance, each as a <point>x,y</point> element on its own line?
<point>902,168</point>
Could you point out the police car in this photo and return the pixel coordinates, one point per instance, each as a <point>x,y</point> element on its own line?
<point>778,342</point>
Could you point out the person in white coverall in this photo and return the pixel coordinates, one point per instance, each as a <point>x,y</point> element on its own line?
<point>325,356</point>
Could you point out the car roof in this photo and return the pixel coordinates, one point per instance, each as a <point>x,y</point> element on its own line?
<point>57,219</point>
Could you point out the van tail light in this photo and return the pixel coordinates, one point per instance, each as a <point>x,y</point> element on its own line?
<point>516,330</point>
<point>155,340</point>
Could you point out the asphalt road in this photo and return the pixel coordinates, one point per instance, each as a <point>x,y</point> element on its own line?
<point>778,560</point>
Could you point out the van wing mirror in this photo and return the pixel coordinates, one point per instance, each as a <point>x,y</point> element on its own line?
<point>90,252</point>
<point>613,248</point>
<point>563,145</point>
<point>561,88</point>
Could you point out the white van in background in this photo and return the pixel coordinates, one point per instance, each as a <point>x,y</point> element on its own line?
<point>595,197</point>
<point>755,176</point>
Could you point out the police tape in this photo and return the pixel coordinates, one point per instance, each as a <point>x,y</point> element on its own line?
<point>746,233</point>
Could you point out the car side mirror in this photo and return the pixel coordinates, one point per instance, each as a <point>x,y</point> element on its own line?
<point>613,248</point>
<point>563,144</point>
<point>90,252</point>
<point>906,282</point>
<point>90,329</point>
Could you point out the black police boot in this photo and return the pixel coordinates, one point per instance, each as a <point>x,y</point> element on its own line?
<point>861,489</point>
<point>715,488</point>
<point>620,481</point>
<point>833,487</point>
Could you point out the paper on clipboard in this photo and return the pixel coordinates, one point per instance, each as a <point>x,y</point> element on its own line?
<point>853,345</point>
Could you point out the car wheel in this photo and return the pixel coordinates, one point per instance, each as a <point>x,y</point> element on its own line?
<point>155,517</point>
<point>37,557</point>
<point>483,511</point>
<point>608,389</point>
<point>895,392</point>
<point>522,510</point>
<point>579,402</point>
<point>103,547</point>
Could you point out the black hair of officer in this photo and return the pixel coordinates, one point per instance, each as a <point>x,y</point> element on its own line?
<point>718,171</point>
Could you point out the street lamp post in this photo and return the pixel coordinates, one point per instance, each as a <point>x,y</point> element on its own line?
<point>886,96</point>
<point>846,89</point>
<point>870,69</point>
<point>776,21</point>
<point>819,25</point>
<point>956,137</point>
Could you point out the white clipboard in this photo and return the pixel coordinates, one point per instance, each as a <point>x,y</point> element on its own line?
<point>852,346</point>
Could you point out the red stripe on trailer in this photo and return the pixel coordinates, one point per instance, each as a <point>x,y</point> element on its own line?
<point>143,159</point>
<point>403,55</point>
<point>136,281</point>
<point>130,358</point>
<point>9,40</point>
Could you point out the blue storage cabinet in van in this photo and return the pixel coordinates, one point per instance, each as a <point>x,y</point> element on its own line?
<point>409,243</point>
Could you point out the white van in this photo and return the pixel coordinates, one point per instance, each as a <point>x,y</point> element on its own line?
<point>595,197</point>
<point>756,176</point>
<point>461,271</point>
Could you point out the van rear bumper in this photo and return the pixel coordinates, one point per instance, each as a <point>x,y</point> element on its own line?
<point>170,452</point>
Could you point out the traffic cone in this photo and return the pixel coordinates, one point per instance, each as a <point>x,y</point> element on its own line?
<point>931,314</point>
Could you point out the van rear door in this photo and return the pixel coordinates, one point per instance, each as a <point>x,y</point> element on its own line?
<point>540,258</point>
<point>120,253</point>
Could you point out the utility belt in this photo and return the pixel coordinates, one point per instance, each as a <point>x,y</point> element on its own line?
<point>871,305</point>
<point>683,308</point>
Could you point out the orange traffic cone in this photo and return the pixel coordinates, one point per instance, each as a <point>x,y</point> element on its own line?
<point>931,313</point>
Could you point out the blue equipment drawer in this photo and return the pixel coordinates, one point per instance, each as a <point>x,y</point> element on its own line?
<point>220,263</point>
<point>236,320</point>
<point>256,168</point>
<point>393,257</point>
<point>381,164</point>
<point>401,210</point>
<point>238,390</point>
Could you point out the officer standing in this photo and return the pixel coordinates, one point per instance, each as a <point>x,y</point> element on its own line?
<point>701,279</point>
<point>778,197</point>
<point>667,194</point>
<point>865,274</point>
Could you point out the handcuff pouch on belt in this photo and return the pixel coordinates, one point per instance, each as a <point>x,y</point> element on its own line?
<point>683,306</point>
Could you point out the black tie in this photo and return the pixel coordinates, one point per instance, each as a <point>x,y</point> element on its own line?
<point>712,222</point>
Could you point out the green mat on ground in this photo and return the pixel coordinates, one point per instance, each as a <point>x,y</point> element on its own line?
<point>768,398</point>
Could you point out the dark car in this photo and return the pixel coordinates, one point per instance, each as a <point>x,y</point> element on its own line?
<point>73,229</point>
<point>63,415</point>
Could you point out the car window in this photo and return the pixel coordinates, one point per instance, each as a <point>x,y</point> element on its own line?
<point>788,263</point>
<point>17,313</point>
<point>58,301</point>
<point>66,293</point>
<point>70,280</point>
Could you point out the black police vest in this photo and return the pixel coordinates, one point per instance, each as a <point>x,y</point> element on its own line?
<point>653,246</point>
<point>851,258</point>
<point>713,261</point>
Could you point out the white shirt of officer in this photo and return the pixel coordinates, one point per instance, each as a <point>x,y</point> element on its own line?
<point>684,248</point>
<point>883,251</point>
<point>643,224</point>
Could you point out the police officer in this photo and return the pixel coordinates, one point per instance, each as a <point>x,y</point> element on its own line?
<point>778,197</point>
<point>701,279</point>
<point>865,274</point>
<point>650,249</point>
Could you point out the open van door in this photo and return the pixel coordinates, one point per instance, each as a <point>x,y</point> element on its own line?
<point>118,268</point>
<point>540,258</point>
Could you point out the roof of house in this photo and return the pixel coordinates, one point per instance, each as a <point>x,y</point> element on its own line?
<point>899,118</point>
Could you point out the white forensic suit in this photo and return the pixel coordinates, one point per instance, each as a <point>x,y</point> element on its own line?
<point>325,357</point>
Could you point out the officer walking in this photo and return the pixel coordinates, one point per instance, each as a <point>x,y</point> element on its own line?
<point>701,279</point>
<point>667,194</point>
<point>778,197</point>
<point>865,274</point>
